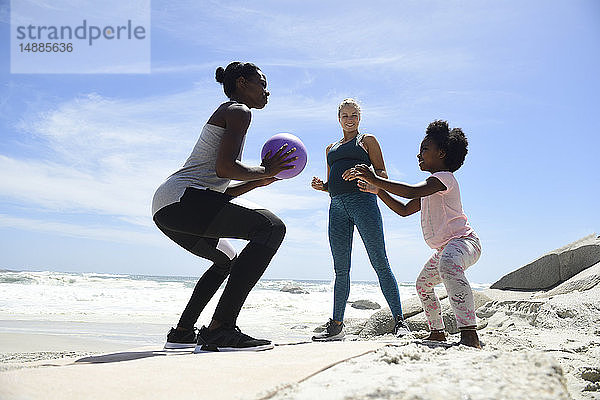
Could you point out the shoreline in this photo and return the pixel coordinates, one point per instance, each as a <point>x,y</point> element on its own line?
<point>30,350</point>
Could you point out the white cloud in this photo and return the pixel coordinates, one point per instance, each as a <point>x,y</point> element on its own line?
<point>319,35</point>
<point>104,156</point>
<point>57,186</point>
<point>97,232</point>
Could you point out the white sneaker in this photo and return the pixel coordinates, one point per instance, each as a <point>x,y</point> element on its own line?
<point>401,329</point>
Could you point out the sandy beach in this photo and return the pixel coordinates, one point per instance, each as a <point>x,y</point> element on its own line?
<point>537,344</point>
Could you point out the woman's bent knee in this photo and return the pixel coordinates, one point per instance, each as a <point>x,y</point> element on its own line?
<point>271,232</point>
<point>223,268</point>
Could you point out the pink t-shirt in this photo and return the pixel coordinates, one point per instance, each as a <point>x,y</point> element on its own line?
<point>442,216</point>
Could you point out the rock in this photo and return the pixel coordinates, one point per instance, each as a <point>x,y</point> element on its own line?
<point>295,289</point>
<point>419,321</point>
<point>591,374</point>
<point>523,309</point>
<point>382,322</point>
<point>412,305</point>
<point>585,280</point>
<point>555,267</point>
<point>575,311</point>
<point>299,327</point>
<point>365,305</point>
<point>353,326</point>
<point>592,387</point>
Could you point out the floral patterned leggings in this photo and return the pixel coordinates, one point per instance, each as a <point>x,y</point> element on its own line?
<point>447,265</point>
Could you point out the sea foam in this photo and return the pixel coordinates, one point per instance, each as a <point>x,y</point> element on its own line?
<point>152,304</point>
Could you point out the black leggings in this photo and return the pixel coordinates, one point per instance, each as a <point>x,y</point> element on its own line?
<point>196,223</point>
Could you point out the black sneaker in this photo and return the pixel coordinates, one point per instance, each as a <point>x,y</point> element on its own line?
<point>401,329</point>
<point>228,339</point>
<point>181,339</point>
<point>333,331</point>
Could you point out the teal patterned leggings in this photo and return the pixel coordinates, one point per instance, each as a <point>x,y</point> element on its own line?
<point>361,210</point>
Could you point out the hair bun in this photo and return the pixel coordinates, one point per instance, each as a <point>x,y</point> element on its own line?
<point>220,74</point>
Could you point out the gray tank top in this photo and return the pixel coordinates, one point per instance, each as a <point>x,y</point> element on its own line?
<point>341,157</point>
<point>199,171</point>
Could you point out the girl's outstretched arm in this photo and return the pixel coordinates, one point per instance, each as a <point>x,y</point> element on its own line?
<point>429,187</point>
<point>399,207</point>
<point>395,205</point>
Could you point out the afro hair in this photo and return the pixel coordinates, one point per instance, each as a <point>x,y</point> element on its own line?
<point>453,142</point>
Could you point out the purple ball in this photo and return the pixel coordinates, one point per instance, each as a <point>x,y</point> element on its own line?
<point>276,141</point>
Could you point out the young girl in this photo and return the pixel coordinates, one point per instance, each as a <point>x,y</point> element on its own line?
<point>445,226</point>
<point>349,207</point>
<point>195,207</point>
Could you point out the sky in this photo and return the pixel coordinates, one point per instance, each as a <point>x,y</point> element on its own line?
<point>82,154</point>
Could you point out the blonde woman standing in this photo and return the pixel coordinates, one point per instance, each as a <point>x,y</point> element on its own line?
<point>352,207</point>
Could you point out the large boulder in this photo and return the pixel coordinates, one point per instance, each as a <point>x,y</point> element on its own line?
<point>585,280</point>
<point>553,268</point>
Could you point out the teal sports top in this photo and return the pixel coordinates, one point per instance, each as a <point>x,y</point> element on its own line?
<point>341,157</point>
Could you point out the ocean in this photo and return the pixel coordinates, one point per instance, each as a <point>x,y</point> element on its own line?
<point>138,310</point>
